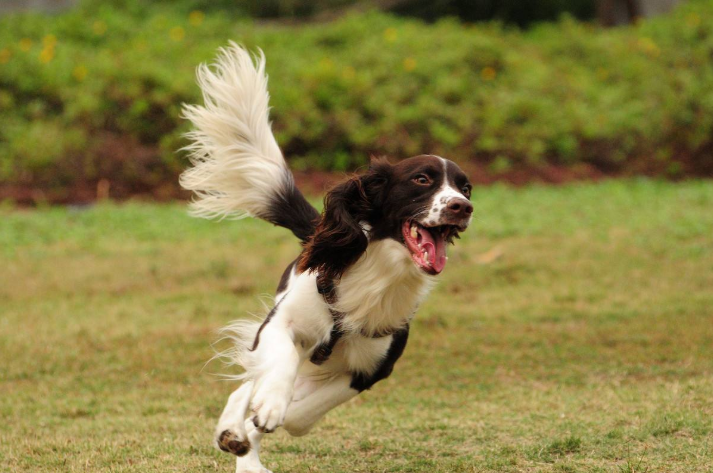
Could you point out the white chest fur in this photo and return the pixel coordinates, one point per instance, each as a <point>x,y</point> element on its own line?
<point>382,290</point>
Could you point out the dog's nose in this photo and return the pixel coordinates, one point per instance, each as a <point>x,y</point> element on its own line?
<point>459,208</point>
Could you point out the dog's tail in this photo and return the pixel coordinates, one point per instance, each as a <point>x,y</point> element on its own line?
<point>238,169</point>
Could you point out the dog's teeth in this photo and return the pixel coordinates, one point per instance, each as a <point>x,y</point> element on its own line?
<point>425,255</point>
<point>414,232</point>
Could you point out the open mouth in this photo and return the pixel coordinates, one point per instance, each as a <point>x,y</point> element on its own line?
<point>428,244</point>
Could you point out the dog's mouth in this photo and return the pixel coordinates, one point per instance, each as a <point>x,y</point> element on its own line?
<point>428,244</point>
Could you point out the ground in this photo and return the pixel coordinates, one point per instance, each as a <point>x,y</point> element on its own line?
<point>572,331</point>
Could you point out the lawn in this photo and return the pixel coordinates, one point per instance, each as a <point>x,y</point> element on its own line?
<point>572,331</point>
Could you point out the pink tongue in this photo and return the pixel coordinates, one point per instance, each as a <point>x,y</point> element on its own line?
<point>436,249</point>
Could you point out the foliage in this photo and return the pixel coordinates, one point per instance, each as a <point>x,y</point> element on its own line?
<point>96,92</point>
<point>586,346</point>
<point>509,11</point>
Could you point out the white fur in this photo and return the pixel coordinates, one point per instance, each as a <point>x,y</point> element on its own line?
<point>382,290</point>
<point>318,398</point>
<point>233,419</point>
<point>237,164</point>
<point>300,315</point>
<point>233,416</point>
<point>441,199</point>
<point>250,463</point>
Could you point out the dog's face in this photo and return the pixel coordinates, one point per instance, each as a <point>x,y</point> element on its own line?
<point>422,202</point>
<point>425,204</point>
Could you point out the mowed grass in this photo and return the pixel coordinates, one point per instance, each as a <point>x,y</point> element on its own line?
<point>572,331</point>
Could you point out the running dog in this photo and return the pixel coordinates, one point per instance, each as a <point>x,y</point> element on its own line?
<point>342,308</point>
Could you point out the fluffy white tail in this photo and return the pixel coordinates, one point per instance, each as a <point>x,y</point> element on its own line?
<point>238,169</point>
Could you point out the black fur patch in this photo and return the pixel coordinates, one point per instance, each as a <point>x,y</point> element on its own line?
<point>361,382</point>
<point>289,209</point>
<point>265,322</point>
<point>324,351</point>
<point>286,276</point>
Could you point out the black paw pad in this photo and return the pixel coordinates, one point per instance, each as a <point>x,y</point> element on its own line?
<point>229,442</point>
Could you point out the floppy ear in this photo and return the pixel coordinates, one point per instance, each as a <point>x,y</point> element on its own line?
<point>339,239</point>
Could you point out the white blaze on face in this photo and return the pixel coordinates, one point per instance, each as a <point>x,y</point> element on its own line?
<point>441,200</point>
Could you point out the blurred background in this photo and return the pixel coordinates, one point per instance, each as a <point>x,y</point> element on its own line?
<point>572,330</point>
<point>544,90</point>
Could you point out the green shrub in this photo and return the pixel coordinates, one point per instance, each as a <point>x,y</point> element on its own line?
<point>96,92</point>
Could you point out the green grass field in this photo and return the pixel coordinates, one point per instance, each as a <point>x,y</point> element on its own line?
<point>572,331</point>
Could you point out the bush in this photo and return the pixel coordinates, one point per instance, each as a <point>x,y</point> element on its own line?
<point>96,92</point>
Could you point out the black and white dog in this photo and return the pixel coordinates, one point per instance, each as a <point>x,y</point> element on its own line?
<point>342,310</point>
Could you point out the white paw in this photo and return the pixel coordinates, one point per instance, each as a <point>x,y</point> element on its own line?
<point>270,410</point>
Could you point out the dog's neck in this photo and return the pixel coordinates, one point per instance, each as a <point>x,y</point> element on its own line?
<point>382,290</point>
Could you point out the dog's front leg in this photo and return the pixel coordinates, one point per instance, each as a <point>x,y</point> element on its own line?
<point>277,360</point>
<point>231,435</point>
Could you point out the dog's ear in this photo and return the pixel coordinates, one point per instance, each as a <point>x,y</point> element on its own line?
<point>340,239</point>
<point>376,182</point>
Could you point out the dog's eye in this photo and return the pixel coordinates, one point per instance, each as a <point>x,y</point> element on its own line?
<point>422,179</point>
<point>466,191</point>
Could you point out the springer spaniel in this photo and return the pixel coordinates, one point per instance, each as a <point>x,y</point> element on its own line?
<point>343,307</point>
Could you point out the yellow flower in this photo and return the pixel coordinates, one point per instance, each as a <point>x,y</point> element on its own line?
<point>80,72</point>
<point>196,17</point>
<point>49,41</point>
<point>99,28</point>
<point>409,64</point>
<point>390,34</point>
<point>348,72</point>
<point>46,55</point>
<point>488,73</point>
<point>5,55</point>
<point>25,44</point>
<point>177,33</point>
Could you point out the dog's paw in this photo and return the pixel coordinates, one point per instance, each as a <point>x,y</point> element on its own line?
<point>269,412</point>
<point>231,443</point>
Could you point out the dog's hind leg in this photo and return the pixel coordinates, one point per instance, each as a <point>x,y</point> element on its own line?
<point>231,434</point>
<point>313,399</point>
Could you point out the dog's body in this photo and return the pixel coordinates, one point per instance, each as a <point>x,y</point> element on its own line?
<point>342,309</point>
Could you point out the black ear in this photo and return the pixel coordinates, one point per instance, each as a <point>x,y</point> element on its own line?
<point>339,239</point>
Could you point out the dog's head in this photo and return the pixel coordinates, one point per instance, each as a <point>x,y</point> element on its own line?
<point>423,202</point>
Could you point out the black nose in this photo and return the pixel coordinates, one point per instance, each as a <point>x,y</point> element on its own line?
<point>459,208</point>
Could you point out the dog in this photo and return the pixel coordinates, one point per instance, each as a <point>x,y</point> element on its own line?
<point>343,307</point>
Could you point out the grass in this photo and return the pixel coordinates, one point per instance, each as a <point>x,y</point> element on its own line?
<point>572,331</point>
